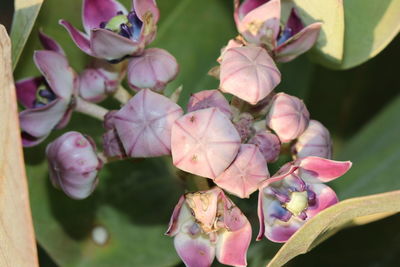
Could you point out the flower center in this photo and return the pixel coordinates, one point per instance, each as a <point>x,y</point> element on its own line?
<point>44,95</point>
<point>128,26</point>
<point>298,202</point>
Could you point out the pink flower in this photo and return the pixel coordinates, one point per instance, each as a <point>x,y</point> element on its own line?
<point>111,32</point>
<point>295,194</point>
<point>208,99</point>
<point>207,224</point>
<point>259,23</point>
<point>73,164</point>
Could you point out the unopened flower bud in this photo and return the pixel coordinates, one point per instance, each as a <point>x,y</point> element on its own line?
<point>288,117</point>
<point>208,99</point>
<point>96,84</point>
<point>73,164</point>
<point>112,144</point>
<point>315,141</point>
<point>243,125</point>
<point>268,143</point>
<point>152,70</point>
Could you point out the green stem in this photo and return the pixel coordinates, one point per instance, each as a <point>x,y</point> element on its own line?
<point>122,95</point>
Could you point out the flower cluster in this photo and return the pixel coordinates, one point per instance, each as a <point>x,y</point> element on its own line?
<point>228,143</point>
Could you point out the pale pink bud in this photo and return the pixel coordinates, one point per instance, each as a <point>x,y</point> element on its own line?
<point>249,73</point>
<point>73,164</point>
<point>231,44</point>
<point>153,70</point>
<point>268,143</point>
<point>204,142</point>
<point>208,99</point>
<point>243,125</point>
<point>288,117</point>
<point>315,141</point>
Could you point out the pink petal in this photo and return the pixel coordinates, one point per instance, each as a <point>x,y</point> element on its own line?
<point>299,43</point>
<point>26,90</point>
<point>288,117</point>
<point>294,22</point>
<point>325,197</point>
<point>268,143</point>
<point>143,6</point>
<point>317,170</point>
<point>246,172</point>
<point>59,75</point>
<point>314,141</point>
<point>79,38</point>
<point>174,223</point>
<point>144,124</point>
<point>248,73</point>
<point>194,252</point>
<point>262,23</point>
<point>110,45</point>
<point>153,69</point>
<point>248,5</point>
<point>204,142</point>
<point>207,99</point>
<point>232,246</point>
<point>98,11</point>
<point>112,145</point>
<point>50,44</point>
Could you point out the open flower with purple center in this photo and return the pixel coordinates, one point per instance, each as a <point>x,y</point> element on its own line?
<point>113,33</point>
<point>73,164</point>
<point>259,22</point>
<point>295,194</point>
<point>48,100</point>
<point>207,224</point>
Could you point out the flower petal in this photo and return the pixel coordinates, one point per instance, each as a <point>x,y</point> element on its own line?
<point>98,11</point>
<point>294,22</point>
<point>317,170</point>
<point>26,90</point>
<point>79,38</point>
<point>207,99</point>
<point>143,6</point>
<point>194,252</point>
<point>174,222</point>
<point>246,172</point>
<point>50,44</point>
<point>248,73</point>
<point>110,45</point>
<point>325,197</point>
<point>59,75</point>
<point>299,43</point>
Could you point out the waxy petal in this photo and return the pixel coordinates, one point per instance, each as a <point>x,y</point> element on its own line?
<point>325,197</point>
<point>144,124</point>
<point>178,217</point>
<point>294,22</point>
<point>261,24</point>
<point>204,142</point>
<point>112,46</point>
<point>288,117</point>
<point>26,90</point>
<point>49,43</point>
<point>231,248</point>
<point>153,69</point>
<point>268,143</point>
<point>299,43</point>
<point>95,86</point>
<point>314,141</point>
<point>112,145</point>
<point>59,75</point>
<point>246,172</point>
<point>194,252</point>
<point>141,7</point>
<point>248,73</point>
<point>320,170</point>
<point>208,99</point>
<point>79,38</point>
<point>98,11</point>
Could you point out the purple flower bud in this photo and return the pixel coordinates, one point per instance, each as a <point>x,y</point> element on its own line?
<point>73,164</point>
<point>248,73</point>
<point>204,142</point>
<point>246,172</point>
<point>112,144</point>
<point>315,141</point>
<point>268,143</point>
<point>208,99</point>
<point>288,117</point>
<point>207,224</point>
<point>243,125</point>
<point>144,124</point>
<point>152,70</point>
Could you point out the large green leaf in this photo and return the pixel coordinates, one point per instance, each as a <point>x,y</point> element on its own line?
<point>370,27</point>
<point>330,220</point>
<point>25,15</point>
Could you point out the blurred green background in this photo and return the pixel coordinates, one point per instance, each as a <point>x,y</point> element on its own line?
<point>360,107</point>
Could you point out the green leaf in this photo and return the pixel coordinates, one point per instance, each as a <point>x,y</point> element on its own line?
<point>329,47</point>
<point>370,27</point>
<point>330,220</point>
<point>25,15</point>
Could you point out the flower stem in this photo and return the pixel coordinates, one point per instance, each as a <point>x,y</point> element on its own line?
<point>122,95</point>
<point>90,109</point>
